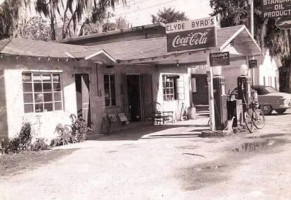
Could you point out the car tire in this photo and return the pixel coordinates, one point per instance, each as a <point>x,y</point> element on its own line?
<point>281,111</point>
<point>267,109</point>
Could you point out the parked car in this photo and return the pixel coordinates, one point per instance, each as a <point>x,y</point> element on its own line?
<point>270,99</point>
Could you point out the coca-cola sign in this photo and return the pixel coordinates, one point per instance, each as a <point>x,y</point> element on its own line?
<point>191,39</point>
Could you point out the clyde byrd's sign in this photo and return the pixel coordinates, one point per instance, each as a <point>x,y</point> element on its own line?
<point>194,34</point>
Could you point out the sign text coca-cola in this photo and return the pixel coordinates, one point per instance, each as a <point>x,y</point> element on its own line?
<point>194,34</point>
<point>193,39</point>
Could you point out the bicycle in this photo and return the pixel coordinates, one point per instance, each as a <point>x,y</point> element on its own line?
<point>253,116</point>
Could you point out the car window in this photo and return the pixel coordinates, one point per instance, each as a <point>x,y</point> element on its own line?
<point>270,89</point>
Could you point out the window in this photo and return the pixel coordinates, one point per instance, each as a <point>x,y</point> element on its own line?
<point>42,92</point>
<point>109,89</point>
<point>169,88</point>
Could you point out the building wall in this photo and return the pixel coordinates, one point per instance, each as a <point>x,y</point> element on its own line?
<point>43,124</point>
<point>267,72</point>
<point>183,87</point>
<point>3,111</point>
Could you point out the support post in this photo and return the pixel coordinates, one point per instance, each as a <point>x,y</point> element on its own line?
<point>251,2</point>
<point>210,91</point>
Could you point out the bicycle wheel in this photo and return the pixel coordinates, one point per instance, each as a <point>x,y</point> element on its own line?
<point>249,121</point>
<point>259,119</point>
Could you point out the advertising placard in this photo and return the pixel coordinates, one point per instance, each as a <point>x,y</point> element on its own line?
<point>253,63</point>
<point>276,8</point>
<point>187,35</point>
<point>219,59</point>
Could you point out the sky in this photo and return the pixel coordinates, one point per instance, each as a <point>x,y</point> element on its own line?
<point>138,12</point>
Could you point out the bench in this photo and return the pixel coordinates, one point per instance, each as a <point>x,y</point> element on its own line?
<point>110,121</point>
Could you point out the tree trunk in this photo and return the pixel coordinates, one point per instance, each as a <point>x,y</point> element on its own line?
<point>53,31</point>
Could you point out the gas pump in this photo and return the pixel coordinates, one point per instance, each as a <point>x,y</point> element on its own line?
<point>244,90</point>
<point>220,99</point>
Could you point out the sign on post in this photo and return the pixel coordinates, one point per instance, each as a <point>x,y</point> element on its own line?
<point>188,35</point>
<point>253,64</point>
<point>283,23</point>
<point>276,8</point>
<point>219,59</point>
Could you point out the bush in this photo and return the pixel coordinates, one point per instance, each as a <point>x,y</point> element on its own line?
<point>22,141</point>
<point>79,128</point>
<point>39,144</point>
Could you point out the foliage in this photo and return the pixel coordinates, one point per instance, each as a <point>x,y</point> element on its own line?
<point>22,141</point>
<point>9,15</point>
<point>76,132</point>
<point>119,24</point>
<point>72,12</point>
<point>79,129</point>
<point>169,15</point>
<point>39,144</point>
<point>64,136</point>
<point>237,12</point>
<point>36,28</point>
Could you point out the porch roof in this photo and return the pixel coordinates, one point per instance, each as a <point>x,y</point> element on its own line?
<point>237,40</point>
<point>35,48</point>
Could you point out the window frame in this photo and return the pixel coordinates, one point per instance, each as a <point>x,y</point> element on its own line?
<point>170,87</point>
<point>49,91</point>
<point>110,92</point>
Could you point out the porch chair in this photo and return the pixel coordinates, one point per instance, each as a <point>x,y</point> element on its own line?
<point>160,115</point>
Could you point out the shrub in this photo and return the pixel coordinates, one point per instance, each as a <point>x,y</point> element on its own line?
<point>22,141</point>
<point>64,136</point>
<point>39,144</point>
<point>79,128</point>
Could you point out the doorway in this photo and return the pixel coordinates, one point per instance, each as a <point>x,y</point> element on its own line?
<point>133,94</point>
<point>199,89</point>
<point>83,97</point>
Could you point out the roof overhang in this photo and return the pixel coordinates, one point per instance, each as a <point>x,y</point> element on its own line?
<point>101,57</point>
<point>241,43</point>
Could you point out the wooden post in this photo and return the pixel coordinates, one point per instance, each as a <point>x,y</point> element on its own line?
<point>210,91</point>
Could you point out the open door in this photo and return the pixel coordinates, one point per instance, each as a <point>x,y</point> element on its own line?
<point>146,96</point>
<point>133,94</point>
<point>83,96</point>
<point>199,89</point>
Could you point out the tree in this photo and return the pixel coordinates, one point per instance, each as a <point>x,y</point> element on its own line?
<point>36,28</point>
<point>72,12</point>
<point>9,16</point>
<point>119,24</point>
<point>168,15</point>
<point>237,12</point>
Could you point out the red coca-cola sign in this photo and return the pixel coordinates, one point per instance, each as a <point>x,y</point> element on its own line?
<point>191,39</point>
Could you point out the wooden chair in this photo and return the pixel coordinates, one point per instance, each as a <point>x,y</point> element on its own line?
<point>160,115</point>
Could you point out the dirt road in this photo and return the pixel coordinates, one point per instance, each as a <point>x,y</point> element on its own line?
<point>166,163</point>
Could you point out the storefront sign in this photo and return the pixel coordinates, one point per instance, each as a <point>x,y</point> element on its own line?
<point>195,34</point>
<point>276,8</point>
<point>219,59</point>
<point>253,63</point>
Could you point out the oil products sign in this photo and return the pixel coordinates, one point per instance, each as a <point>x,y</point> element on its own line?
<point>276,8</point>
<point>188,35</point>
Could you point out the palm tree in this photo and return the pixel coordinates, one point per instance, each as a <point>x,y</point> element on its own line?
<point>169,15</point>
<point>72,11</point>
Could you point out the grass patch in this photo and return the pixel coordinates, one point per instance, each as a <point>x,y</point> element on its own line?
<point>13,164</point>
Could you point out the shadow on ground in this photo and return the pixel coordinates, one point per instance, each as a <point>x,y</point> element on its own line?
<point>149,131</point>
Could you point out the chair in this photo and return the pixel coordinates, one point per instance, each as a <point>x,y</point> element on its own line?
<point>159,115</point>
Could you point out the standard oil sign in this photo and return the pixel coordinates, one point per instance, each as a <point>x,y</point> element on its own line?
<point>187,35</point>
